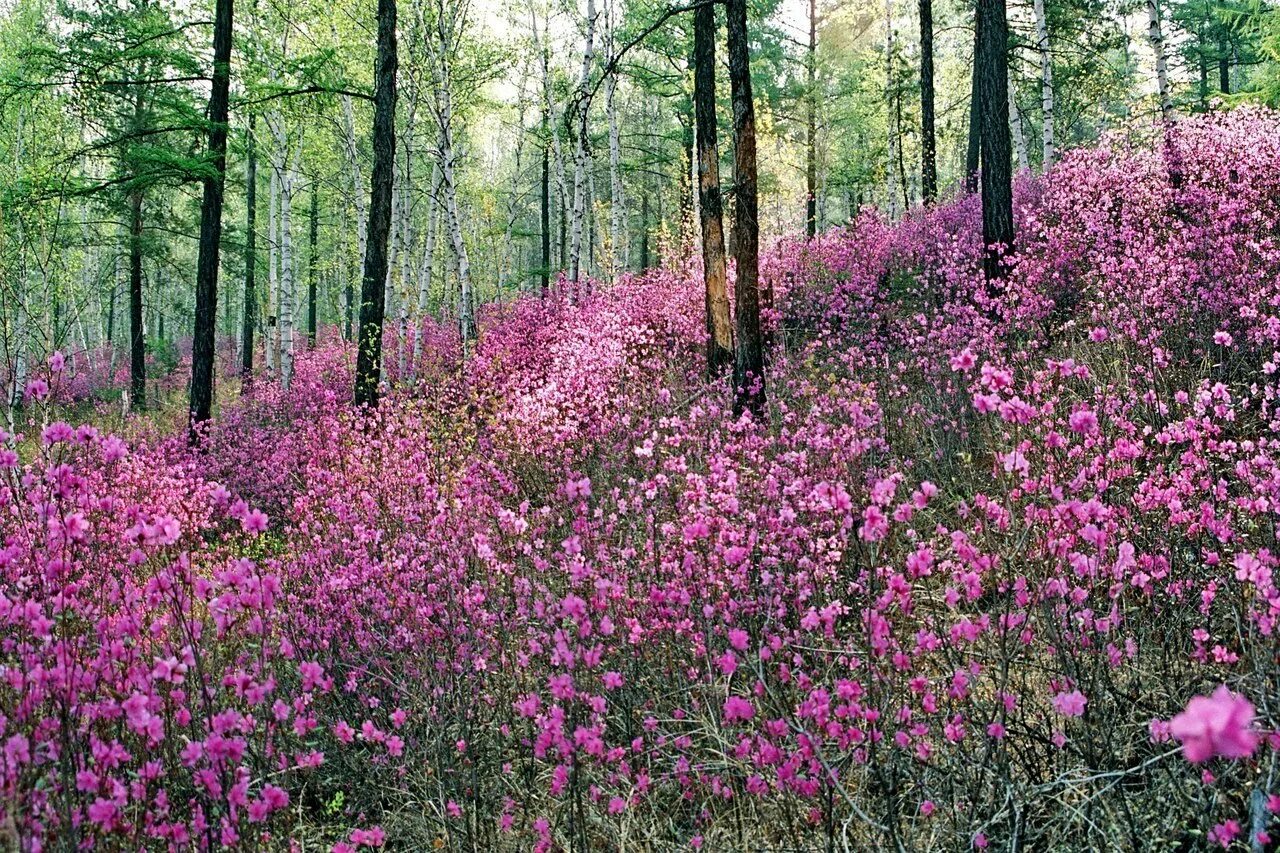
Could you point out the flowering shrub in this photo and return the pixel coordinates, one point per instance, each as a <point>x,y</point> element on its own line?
<point>965,587</point>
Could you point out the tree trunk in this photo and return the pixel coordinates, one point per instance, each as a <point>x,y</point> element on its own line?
<point>1156,35</point>
<point>974,148</point>
<point>583,108</point>
<point>288,284</point>
<point>427,266</point>
<point>137,339</point>
<point>811,128</point>
<point>1048,151</point>
<point>272,332</point>
<point>997,181</point>
<point>1019,137</point>
<point>545,275</point>
<point>719,330</point>
<point>928,134</point>
<point>311,263</point>
<point>250,256</point>
<point>748,366</point>
<point>1224,67</point>
<point>373,287</point>
<point>890,89</point>
<point>202,347</point>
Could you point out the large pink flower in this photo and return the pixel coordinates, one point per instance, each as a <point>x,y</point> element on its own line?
<point>1217,725</point>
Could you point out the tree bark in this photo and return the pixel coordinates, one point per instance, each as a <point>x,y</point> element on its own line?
<point>928,133</point>
<point>202,346</point>
<point>250,256</point>
<point>748,365</point>
<point>1156,35</point>
<point>811,127</point>
<point>1224,67</point>
<point>427,266</point>
<point>890,90</point>
<point>271,333</point>
<point>719,330</point>
<point>996,179</point>
<point>137,338</point>
<point>974,148</point>
<point>311,262</point>
<point>583,108</point>
<point>1048,150</point>
<point>545,274</point>
<point>373,287</point>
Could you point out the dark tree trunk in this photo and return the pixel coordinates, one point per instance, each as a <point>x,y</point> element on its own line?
<point>748,364</point>
<point>202,346</point>
<point>1224,67</point>
<point>928,136</point>
<point>719,331</point>
<point>644,232</point>
<point>373,294</point>
<point>972,152</point>
<point>811,154</point>
<point>546,208</point>
<point>997,154</point>
<point>250,258</point>
<point>311,263</point>
<point>137,340</point>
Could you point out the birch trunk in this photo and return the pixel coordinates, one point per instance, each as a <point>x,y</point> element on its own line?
<point>427,266</point>
<point>617,204</point>
<point>892,166</point>
<point>1019,137</point>
<point>1156,35</point>
<point>1048,145</point>
<point>583,107</point>
<point>553,124</point>
<point>271,341</point>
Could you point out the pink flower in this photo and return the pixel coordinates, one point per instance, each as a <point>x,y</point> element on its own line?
<point>1217,725</point>
<point>254,521</point>
<point>736,708</point>
<point>1070,704</point>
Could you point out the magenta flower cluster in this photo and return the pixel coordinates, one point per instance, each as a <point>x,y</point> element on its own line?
<point>981,576</point>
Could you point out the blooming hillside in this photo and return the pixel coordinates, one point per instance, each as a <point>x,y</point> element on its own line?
<point>998,570</point>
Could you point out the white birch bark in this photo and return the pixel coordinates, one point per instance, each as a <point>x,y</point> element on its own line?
<point>1019,137</point>
<point>272,337</point>
<point>1048,144</point>
<point>617,203</point>
<point>580,149</point>
<point>427,266</point>
<point>1156,35</point>
<point>893,165</point>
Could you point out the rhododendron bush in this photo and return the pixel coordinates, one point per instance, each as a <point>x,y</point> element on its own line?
<point>999,568</point>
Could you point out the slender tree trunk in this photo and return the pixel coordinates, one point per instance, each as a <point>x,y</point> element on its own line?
<point>644,232</point>
<point>1224,67</point>
<point>890,89</point>
<point>997,179</point>
<point>1156,35</point>
<point>553,118</point>
<point>288,284</point>
<point>928,134</point>
<point>583,108</point>
<point>137,337</point>
<point>272,332</point>
<point>748,367</point>
<point>1048,150</point>
<point>974,148</point>
<point>311,262</point>
<point>202,348</point>
<point>1019,137</point>
<point>545,275</point>
<point>428,264</point>
<point>1202,60</point>
<point>250,256</point>
<point>373,290</point>
<point>466,318</point>
<point>719,330</point>
<point>811,128</point>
